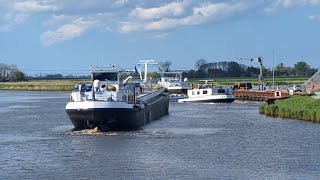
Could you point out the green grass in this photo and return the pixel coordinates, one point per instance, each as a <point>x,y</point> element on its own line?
<point>296,107</point>
<point>41,85</point>
<point>67,85</point>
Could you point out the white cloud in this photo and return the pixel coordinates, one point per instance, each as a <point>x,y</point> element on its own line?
<point>200,15</point>
<point>313,2</point>
<point>171,9</point>
<point>314,17</point>
<point>16,12</point>
<point>58,19</point>
<point>127,27</point>
<point>16,18</point>
<point>34,6</point>
<point>281,4</point>
<point>66,32</point>
<point>214,12</point>
<point>128,16</point>
<point>12,19</point>
<point>120,3</point>
<point>160,36</point>
<point>162,24</point>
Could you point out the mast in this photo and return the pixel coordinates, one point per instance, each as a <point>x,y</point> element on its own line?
<point>273,69</point>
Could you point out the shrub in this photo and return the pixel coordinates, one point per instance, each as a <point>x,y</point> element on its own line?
<point>297,107</point>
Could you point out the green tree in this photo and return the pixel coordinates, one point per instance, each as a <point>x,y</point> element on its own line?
<point>154,75</point>
<point>17,76</point>
<point>280,70</point>
<point>301,68</point>
<point>234,69</point>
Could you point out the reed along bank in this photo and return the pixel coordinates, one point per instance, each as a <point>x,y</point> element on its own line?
<point>295,107</point>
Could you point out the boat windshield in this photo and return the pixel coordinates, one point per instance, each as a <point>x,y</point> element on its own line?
<point>111,76</point>
<point>82,87</point>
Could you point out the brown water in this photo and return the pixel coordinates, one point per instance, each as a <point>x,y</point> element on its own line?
<point>196,141</point>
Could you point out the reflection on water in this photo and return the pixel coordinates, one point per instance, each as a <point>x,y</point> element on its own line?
<point>195,141</point>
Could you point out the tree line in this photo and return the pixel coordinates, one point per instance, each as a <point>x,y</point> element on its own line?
<point>57,76</point>
<point>204,69</point>
<point>10,73</point>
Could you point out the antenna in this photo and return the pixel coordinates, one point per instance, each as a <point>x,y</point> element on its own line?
<point>273,68</point>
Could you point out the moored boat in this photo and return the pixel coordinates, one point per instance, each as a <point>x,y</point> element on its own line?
<point>115,104</point>
<point>208,93</point>
<point>173,82</point>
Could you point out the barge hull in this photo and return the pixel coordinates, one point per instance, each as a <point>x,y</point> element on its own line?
<point>113,119</point>
<point>109,119</point>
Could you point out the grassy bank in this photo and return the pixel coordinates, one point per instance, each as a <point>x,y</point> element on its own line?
<point>296,107</point>
<point>67,85</point>
<point>41,85</point>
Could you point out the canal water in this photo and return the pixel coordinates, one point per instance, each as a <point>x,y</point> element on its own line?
<point>195,141</point>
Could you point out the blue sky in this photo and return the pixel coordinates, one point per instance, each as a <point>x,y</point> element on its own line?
<point>55,36</point>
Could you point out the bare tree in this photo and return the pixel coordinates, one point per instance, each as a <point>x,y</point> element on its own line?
<point>199,63</point>
<point>164,66</point>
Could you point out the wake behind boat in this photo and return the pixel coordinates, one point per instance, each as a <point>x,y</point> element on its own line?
<point>115,104</point>
<point>208,93</point>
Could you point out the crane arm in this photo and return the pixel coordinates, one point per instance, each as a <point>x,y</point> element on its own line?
<point>260,61</point>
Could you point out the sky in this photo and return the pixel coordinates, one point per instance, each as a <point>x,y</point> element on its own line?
<point>55,36</point>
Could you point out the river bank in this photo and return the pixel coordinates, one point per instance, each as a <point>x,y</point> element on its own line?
<point>296,107</point>
<point>41,85</point>
<point>67,84</point>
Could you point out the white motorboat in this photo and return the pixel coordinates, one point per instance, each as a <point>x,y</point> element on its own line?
<point>208,93</point>
<point>172,81</point>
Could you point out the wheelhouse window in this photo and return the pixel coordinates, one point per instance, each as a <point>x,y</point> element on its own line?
<point>205,92</point>
<point>168,75</point>
<point>221,91</point>
<point>106,76</point>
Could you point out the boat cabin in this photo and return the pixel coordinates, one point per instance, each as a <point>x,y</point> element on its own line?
<point>172,81</point>
<point>208,90</point>
<point>105,78</point>
<point>172,76</point>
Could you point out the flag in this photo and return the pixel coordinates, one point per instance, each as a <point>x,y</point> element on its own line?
<point>135,69</point>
